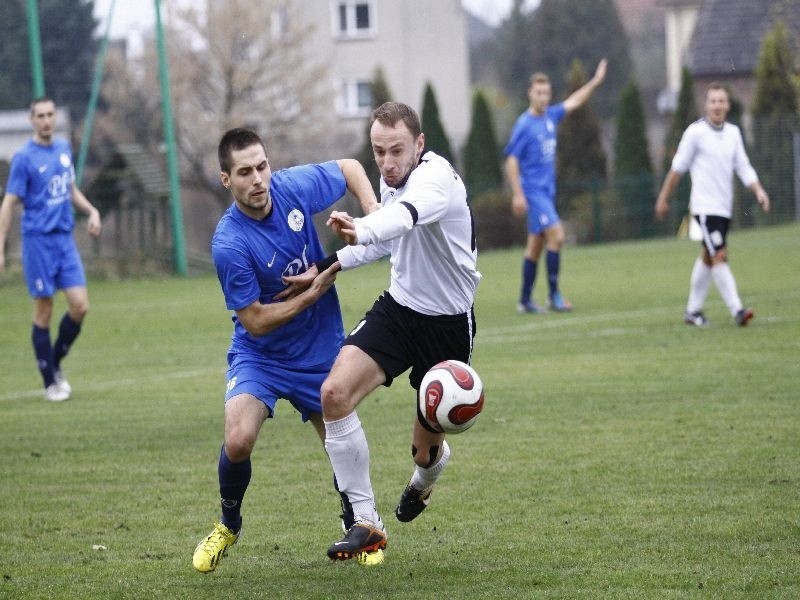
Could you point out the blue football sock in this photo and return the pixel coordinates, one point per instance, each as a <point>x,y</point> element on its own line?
<point>528,279</point>
<point>233,481</point>
<point>553,265</point>
<point>44,354</point>
<point>68,330</point>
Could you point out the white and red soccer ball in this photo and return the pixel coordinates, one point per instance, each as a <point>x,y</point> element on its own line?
<point>451,397</point>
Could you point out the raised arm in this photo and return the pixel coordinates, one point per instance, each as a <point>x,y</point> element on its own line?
<point>579,97</point>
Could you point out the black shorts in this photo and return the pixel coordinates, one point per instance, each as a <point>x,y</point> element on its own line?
<point>715,232</point>
<point>397,338</point>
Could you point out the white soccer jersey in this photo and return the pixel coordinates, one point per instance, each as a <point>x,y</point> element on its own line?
<point>426,226</point>
<point>711,155</point>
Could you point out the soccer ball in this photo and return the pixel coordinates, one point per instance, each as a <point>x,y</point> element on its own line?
<point>451,397</point>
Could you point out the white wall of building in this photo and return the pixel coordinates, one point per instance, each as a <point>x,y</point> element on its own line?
<point>413,41</point>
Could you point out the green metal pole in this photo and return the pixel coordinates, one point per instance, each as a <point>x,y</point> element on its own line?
<point>35,43</point>
<point>99,69</point>
<point>172,157</point>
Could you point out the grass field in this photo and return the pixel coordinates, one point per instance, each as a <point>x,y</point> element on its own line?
<point>621,454</point>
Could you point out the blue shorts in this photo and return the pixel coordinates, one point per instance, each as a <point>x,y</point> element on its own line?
<point>51,262</point>
<point>249,374</point>
<point>541,212</point>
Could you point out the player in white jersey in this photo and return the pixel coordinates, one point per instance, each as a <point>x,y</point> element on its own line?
<point>425,226</point>
<point>711,149</point>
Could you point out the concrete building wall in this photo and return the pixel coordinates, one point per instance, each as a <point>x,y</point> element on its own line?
<point>413,42</point>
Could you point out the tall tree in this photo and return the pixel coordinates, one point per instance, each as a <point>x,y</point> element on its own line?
<point>68,52</point>
<point>512,50</point>
<point>379,89</point>
<point>685,114</point>
<point>633,170</point>
<point>435,136</point>
<point>244,62</point>
<point>562,30</point>
<point>481,153</point>
<point>775,116</point>
<point>581,157</point>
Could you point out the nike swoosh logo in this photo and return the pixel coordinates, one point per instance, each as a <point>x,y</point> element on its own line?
<point>43,168</point>
<point>269,264</point>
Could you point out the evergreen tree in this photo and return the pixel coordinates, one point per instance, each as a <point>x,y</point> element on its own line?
<point>66,30</point>
<point>744,200</point>
<point>633,170</point>
<point>379,89</point>
<point>435,136</point>
<point>685,114</point>
<point>581,160</point>
<point>562,30</point>
<point>513,54</point>
<point>775,115</point>
<point>481,152</point>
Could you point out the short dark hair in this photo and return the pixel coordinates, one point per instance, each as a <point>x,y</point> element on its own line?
<point>39,100</point>
<point>716,85</point>
<point>538,77</point>
<point>390,113</point>
<point>238,138</point>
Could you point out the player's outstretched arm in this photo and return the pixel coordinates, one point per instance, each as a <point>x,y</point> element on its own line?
<point>358,184</point>
<point>343,225</point>
<point>579,97</point>
<point>259,319</point>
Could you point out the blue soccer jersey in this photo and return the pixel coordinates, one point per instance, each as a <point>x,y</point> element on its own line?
<point>533,143</point>
<point>251,256</point>
<point>41,177</point>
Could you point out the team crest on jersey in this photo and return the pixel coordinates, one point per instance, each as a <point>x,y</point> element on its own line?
<point>550,127</point>
<point>296,220</point>
<point>64,159</point>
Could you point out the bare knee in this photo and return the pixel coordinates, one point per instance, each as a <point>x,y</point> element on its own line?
<point>555,237</point>
<point>42,312</point>
<point>77,311</point>
<point>334,398</point>
<point>425,457</point>
<point>239,446</point>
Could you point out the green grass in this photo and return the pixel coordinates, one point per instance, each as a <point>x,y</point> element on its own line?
<point>621,454</point>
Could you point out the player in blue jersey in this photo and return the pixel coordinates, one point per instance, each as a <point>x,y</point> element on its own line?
<point>42,178</point>
<point>530,168</point>
<point>284,339</point>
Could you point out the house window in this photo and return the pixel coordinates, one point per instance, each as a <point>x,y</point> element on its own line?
<point>279,23</point>
<point>354,98</point>
<point>354,18</point>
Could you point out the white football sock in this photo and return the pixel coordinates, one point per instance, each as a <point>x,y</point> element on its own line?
<point>726,284</point>
<point>425,478</point>
<point>698,286</point>
<point>346,445</point>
